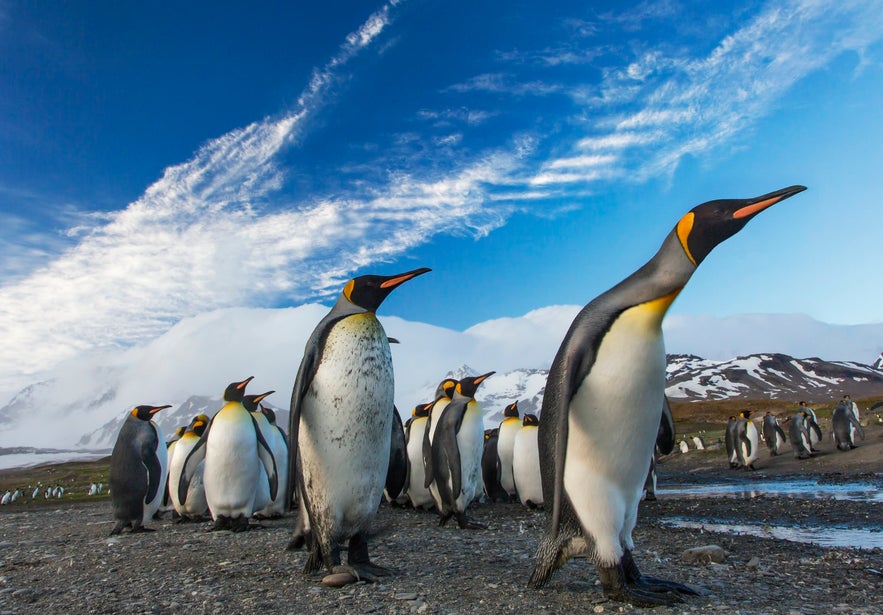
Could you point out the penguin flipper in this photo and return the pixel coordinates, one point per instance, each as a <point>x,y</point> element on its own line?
<point>194,458</point>
<point>665,437</point>
<point>815,427</point>
<point>743,437</point>
<point>781,432</point>
<point>266,455</point>
<point>429,476</point>
<point>151,462</point>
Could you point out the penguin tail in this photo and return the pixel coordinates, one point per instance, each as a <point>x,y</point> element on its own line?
<point>551,555</point>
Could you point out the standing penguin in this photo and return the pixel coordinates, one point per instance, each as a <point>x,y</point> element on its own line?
<point>747,440</point>
<point>845,425</point>
<point>262,500</point>
<point>418,493</point>
<point>812,426</point>
<point>772,433</point>
<point>234,452</point>
<point>509,428</point>
<point>490,467</point>
<point>196,504</point>
<point>279,445</point>
<point>341,408</point>
<point>602,402</point>
<point>731,440</point>
<point>456,446</point>
<point>137,470</point>
<point>526,463</point>
<point>799,434</point>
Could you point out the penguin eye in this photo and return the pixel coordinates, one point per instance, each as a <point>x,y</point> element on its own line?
<point>685,225</point>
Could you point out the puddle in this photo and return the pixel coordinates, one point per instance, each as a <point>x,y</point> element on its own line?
<point>797,489</point>
<point>821,536</point>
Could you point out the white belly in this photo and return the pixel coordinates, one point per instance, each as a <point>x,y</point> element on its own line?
<point>231,463</point>
<point>470,441</point>
<point>505,443</point>
<point>526,466</point>
<point>417,493</point>
<point>751,433</point>
<point>195,504</point>
<point>345,426</point>
<point>613,421</point>
<point>152,506</point>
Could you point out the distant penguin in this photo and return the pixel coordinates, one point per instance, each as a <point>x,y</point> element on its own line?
<point>418,494</point>
<point>7,498</point>
<point>263,501</point>
<point>747,440</point>
<point>773,434</point>
<point>846,426</point>
<point>456,447</point>
<point>665,444</point>
<point>799,434</point>
<point>812,426</point>
<point>853,407</point>
<point>490,467</point>
<point>341,408</point>
<point>509,428</point>
<point>601,407</point>
<point>279,445</point>
<point>137,470</point>
<point>731,439</point>
<point>397,472</point>
<point>196,504</point>
<point>699,443</point>
<point>234,451</point>
<point>683,446</point>
<point>526,463</point>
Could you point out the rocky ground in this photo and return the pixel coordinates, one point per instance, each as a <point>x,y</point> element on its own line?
<point>61,559</point>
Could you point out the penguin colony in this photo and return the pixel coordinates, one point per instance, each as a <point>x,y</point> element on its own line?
<point>586,459</point>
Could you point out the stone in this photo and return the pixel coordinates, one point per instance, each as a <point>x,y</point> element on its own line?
<point>704,555</point>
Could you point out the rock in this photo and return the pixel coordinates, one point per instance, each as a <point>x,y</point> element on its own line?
<point>405,596</point>
<point>754,562</point>
<point>704,555</point>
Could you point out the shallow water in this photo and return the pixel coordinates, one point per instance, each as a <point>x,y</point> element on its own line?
<point>822,536</point>
<point>798,489</point>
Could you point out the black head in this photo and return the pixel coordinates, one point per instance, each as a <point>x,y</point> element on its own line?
<point>145,413</point>
<point>251,401</point>
<point>530,420</point>
<point>369,291</point>
<point>198,424</point>
<point>469,385</point>
<point>707,225</point>
<point>511,411</point>
<point>235,391</point>
<point>445,388</point>
<point>745,414</point>
<point>422,410</point>
<point>491,433</point>
<point>269,413</point>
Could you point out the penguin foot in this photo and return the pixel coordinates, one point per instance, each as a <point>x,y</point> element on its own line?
<point>118,528</point>
<point>140,528</point>
<point>466,523</point>
<point>635,579</point>
<point>615,588</point>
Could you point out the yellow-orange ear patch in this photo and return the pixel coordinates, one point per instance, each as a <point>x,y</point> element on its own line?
<point>685,226</point>
<point>348,290</point>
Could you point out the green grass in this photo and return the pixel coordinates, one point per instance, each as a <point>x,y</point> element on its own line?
<point>76,477</point>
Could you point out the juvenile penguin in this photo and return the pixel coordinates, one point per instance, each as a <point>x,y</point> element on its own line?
<point>490,467</point>
<point>526,463</point>
<point>341,408</point>
<point>418,493</point>
<point>799,434</point>
<point>602,402</point>
<point>262,500</point>
<point>234,451</point>
<point>456,447</point>
<point>772,433</point>
<point>509,428</point>
<point>845,427</point>
<point>196,504</point>
<point>137,470</point>
<point>746,440</point>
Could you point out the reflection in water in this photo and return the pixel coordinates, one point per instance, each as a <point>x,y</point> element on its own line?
<point>800,489</point>
<point>822,536</point>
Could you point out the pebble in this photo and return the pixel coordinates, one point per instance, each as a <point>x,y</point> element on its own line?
<point>754,562</point>
<point>407,596</point>
<point>704,555</point>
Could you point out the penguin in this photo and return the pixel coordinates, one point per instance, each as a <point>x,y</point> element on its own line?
<point>747,445</point>
<point>509,428</point>
<point>443,394</point>
<point>454,477</point>
<point>418,494</point>
<point>730,439</point>
<point>279,445</point>
<point>234,451</point>
<point>490,467</point>
<point>397,473</point>
<point>772,434</point>
<point>170,450</point>
<point>699,443</point>
<point>812,427</point>
<point>526,463</point>
<point>263,502</point>
<point>853,407</point>
<point>601,407</point>
<point>665,444</point>
<point>137,470</point>
<point>845,425</point>
<point>196,504</point>
<point>341,408</point>
<point>799,434</point>
<point>683,446</point>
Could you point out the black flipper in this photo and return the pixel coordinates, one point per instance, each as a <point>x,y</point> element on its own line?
<point>265,452</point>
<point>151,462</point>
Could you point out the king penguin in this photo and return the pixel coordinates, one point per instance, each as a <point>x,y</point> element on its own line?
<point>279,445</point>
<point>772,433</point>
<point>341,408</point>
<point>509,428</point>
<point>262,500</point>
<point>196,505</point>
<point>747,444</point>
<point>602,404</point>
<point>730,439</point>
<point>418,493</point>
<point>799,434</point>
<point>137,470</point>
<point>846,426</point>
<point>456,445</point>
<point>526,463</point>
<point>490,467</point>
<point>233,450</point>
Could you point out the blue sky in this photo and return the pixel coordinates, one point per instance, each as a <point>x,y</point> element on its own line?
<point>159,161</point>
